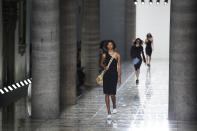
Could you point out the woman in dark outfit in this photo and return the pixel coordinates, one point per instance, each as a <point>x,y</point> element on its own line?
<point>136,51</point>
<point>111,76</point>
<point>149,48</point>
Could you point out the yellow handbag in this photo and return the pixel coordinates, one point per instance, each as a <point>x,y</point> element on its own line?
<point>99,79</point>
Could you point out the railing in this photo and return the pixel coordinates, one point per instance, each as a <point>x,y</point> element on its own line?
<point>14,92</point>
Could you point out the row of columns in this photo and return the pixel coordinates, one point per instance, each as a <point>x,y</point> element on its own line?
<point>54,49</point>
<point>54,52</point>
<point>46,42</point>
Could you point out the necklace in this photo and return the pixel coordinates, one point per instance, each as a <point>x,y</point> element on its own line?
<point>112,54</point>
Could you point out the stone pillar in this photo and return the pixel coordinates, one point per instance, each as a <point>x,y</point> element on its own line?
<point>28,37</point>
<point>19,74</point>
<point>1,46</point>
<point>183,65</point>
<point>9,32</point>
<point>21,67</point>
<point>90,40</point>
<point>130,26</point>
<point>1,59</point>
<point>45,58</point>
<point>68,51</point>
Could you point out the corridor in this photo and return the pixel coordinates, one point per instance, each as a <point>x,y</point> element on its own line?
<point>142,107</point>
<point>49,59</point>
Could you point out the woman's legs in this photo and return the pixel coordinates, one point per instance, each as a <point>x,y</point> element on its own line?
<point>107,103</point>
<point>113,97</point>
<point>149,59</point>
<point>146,59</point>
<point>137,70</point>
<point>137,73</point>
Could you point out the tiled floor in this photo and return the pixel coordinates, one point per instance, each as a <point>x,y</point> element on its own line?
<point>142,107</point>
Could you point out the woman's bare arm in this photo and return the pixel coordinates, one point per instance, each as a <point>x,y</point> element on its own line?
<point>102,62</point>
<point>119,69</point>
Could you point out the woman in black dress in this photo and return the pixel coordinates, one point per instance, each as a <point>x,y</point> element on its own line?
<point>136,51</point>
<point>149,48</point>
<point>111,76</point>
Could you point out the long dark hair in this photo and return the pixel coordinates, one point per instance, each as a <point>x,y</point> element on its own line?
<point>113,43</point>
<point>149,35</point>
<point>103,44</point>
<point>138,39</point>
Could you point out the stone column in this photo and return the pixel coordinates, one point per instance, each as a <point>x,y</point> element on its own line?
<point>68,51</point>
<point>1,58</point>
<point>130,26</point>
<point>183,65</point>
<point>19,74</point>
<point>9,32</point>
<point>45,58</point>
<point>21,66</point>
<point>90,40</point>
<point>28,36</point>
<point>1,46</point>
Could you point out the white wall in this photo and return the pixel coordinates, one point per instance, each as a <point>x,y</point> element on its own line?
<point>156,20</point>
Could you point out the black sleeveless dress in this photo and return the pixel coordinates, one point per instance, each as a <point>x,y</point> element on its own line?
<point>110,77</point>
<point>149,48</point>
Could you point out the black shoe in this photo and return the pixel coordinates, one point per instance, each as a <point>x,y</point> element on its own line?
<point>137,81</point>
<point>148,65</point>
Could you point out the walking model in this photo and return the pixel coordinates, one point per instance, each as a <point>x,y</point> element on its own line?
<point>136,51</point>
<point>111,76</point>
<point>149,48</point>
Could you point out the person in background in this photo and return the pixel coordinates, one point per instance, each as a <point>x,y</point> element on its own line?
<point>136,52</point>
<point>102,50</point>
<point>80,71</point>
<point>149,48</point>
<point>103,46</point>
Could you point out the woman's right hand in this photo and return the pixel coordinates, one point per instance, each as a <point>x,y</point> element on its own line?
<point>106,68</point>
